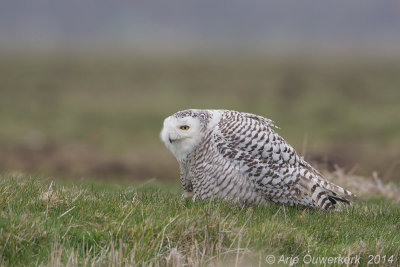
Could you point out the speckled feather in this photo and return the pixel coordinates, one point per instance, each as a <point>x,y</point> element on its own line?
<point>239,156</point>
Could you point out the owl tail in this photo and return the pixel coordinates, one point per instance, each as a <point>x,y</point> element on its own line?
<point>324,194</point>
<point>334,199</point>
<point>329,194</point>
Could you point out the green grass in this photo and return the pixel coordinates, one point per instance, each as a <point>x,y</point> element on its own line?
<point>48,223</point>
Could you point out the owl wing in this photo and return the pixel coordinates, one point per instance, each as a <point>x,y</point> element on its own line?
<point>272,164</point>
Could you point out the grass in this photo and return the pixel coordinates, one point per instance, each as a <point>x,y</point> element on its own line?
<point>48,223</point>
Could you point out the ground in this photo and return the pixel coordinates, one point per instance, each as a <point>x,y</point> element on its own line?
<point>47,222</point>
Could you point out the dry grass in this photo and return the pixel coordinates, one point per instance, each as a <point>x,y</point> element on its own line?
<point>363,186</point>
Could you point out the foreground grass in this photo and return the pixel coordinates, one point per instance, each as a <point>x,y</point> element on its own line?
<point>46,223</point>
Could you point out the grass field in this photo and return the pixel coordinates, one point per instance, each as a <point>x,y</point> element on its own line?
<point>92,123</point>
<point>67,114</point>
<point>49,223</point>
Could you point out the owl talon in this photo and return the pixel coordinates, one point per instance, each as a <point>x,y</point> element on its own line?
<point>187,194</point>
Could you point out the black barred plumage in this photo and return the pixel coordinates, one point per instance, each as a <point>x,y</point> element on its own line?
<point>238,155</point>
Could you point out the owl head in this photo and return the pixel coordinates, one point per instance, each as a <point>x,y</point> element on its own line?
<point>184,130</point>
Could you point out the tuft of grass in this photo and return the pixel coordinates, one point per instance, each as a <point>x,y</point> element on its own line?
<point>51,224</point>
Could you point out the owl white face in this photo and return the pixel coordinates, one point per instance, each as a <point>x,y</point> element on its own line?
<point>181,135</point>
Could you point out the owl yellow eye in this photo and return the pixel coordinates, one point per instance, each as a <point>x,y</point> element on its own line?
<point>184,127</point>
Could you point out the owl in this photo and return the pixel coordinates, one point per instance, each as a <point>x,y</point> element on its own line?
<point>238,156</point>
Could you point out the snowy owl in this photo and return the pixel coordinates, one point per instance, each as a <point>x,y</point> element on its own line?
<point>236,155</point>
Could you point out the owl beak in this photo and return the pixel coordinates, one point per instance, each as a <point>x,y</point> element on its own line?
<point>171,140</point>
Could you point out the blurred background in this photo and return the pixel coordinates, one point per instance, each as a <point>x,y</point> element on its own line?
<point>85,85</point>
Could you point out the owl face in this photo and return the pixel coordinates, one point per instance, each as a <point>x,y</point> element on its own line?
<point>181,135</point>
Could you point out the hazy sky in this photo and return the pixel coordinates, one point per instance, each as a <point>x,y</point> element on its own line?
<point>180,23</point>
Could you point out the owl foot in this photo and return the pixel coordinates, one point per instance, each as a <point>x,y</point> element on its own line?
<point>187,194</point>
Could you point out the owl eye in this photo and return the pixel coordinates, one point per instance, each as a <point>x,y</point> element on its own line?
<point>184,127</point>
